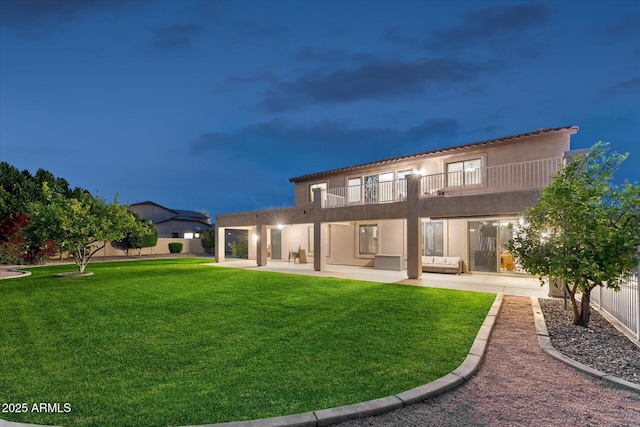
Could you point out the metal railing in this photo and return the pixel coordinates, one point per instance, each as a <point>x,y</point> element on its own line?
<point>373,193</point>
<point>623,305</point>
<point>492,179</point>
<point>514,176</point>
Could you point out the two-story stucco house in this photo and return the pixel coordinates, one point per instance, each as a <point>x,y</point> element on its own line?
<point>459,202</point>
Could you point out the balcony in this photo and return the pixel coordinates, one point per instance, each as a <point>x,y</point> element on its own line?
<point>493,179</point>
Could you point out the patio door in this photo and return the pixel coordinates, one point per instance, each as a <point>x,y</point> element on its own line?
<point>488,246</point>
<point>483,248</point>
<point>371,189</point>
<point>276,243</point>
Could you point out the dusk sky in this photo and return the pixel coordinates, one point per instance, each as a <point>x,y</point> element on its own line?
<point>214,105</point>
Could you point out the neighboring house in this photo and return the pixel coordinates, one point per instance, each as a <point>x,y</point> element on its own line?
<point>172,223</point>
<point>462,201</point>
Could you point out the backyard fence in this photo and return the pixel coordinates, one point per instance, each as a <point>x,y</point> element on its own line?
<point>623,305</point>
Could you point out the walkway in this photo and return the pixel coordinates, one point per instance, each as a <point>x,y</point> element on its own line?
<point>519,385</point>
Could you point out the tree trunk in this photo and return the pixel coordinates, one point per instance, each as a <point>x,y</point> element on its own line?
<point>585,310</point>
<point>571,291</point>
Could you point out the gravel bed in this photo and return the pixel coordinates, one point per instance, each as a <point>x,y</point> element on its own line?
<point>600,345</point>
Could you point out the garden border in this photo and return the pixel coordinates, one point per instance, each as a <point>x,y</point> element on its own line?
<point>547,346</point>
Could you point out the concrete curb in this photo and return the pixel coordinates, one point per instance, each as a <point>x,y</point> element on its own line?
<point>325,417</point>
<point>547,346</point>
<point>21,273</point>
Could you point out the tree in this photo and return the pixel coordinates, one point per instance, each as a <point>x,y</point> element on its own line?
<point>18,190</point>
<point>82,225</point>
<point>209,239</point>
<point>144,235</point>
<point>584,230</point>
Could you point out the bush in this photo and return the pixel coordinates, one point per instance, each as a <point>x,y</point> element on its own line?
<point>240,248</point>
<point>175,248</point>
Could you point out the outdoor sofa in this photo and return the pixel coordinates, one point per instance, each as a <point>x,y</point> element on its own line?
<point>440,264</point>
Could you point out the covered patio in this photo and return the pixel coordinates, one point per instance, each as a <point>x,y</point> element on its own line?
<point>507,284</point>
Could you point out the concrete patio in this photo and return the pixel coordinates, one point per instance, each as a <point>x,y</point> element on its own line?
<point>494,283</point>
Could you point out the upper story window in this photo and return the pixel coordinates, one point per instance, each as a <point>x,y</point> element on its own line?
<point>467,172</point>
<point>320,185</point>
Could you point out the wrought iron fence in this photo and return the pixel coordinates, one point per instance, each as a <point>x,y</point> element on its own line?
<point>623,305</point>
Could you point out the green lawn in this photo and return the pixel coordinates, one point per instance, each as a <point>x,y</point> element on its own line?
<point>175,342</point>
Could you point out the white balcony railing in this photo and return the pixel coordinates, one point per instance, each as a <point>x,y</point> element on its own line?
<point>370,193</point>
<point>493,179</point>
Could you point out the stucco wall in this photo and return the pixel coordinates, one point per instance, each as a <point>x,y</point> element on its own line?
<point>521,149</point>
<point>190,246</point>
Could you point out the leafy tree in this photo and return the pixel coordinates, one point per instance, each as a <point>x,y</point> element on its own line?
<point>145,235</point>
<point>18,190</point>
<point>584,230</point>
<point>82,225</point>
<point>13,249</point>
<point>209,239</point>
<point>142,235</point>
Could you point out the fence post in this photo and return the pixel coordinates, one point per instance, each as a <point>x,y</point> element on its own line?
<point>637,301</point>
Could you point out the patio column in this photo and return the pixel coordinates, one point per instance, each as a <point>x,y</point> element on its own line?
<point>261,244</point>
<point>319,233</point>
<point>414,229</point>
<point>220,244</point>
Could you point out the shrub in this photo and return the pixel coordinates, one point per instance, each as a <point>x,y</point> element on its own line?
<point>175,247</point>
<point>240,248</point>
<point>209,239</point>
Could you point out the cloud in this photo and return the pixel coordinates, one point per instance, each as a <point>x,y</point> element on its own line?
<point>41,17</point>
<point>329,143</point>
<point>258,29</point>
<point>175,37</point>
<point>331,56</point>
<point>629,26</point>
<point>377,80</point>
<point>623,88</point>
<point>502,25</point>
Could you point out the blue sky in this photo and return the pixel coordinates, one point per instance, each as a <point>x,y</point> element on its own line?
<point>214,105</point>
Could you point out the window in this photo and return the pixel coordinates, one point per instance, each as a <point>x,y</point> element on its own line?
<point>467,172</point>
<point>432,238</point>
<point>368,239</point>
<point>321,185</point>
<point>175,235</point>
<point>353,190</point>
<point>401,185</point>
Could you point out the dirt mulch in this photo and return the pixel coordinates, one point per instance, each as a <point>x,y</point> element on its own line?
<point>520,385</point>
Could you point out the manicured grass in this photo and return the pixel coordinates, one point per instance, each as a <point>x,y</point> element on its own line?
<point>175,342</point>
